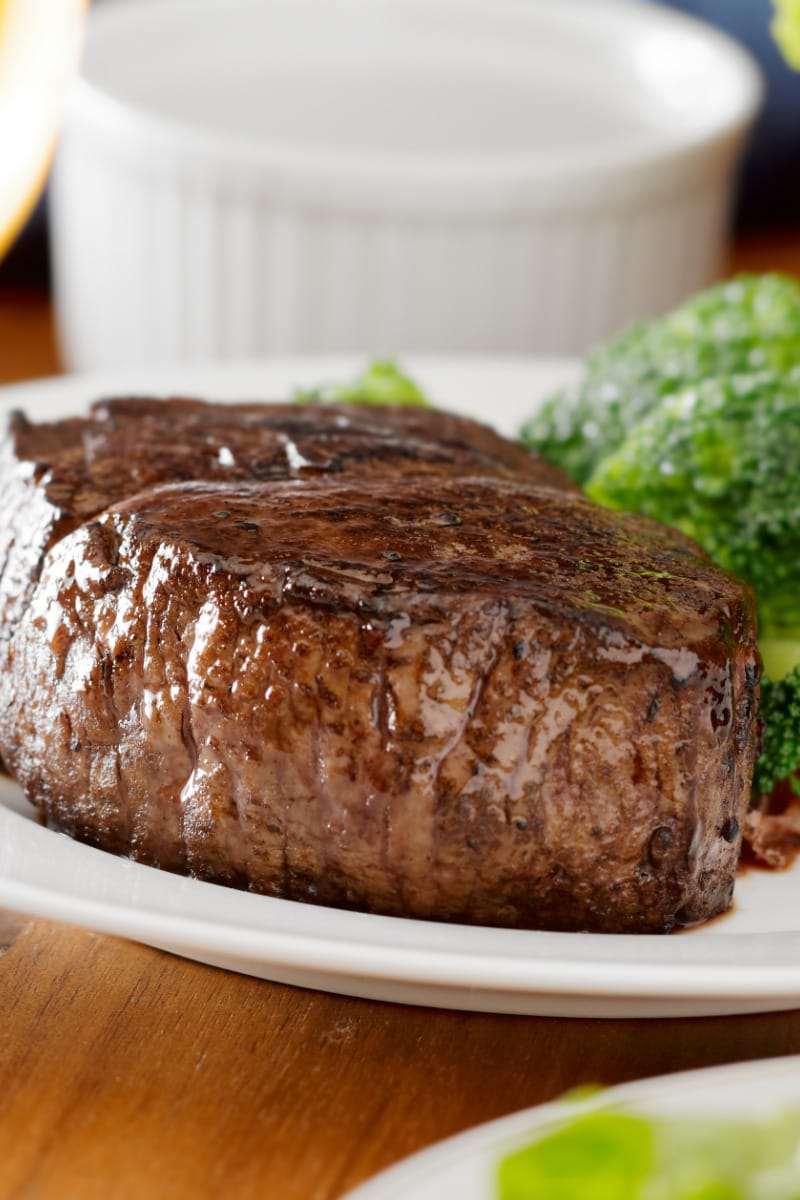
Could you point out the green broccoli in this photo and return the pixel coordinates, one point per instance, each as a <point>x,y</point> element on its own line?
<point>720,462</point>
<point>381,383</point>
<point>745,325</point>
<point>780,710</point>
<point>695,420</point>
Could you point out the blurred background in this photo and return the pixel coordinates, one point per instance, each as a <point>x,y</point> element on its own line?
<point>164,255</point>
<point>769,193</point>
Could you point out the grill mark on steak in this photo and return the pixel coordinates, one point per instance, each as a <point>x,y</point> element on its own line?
<point>506,795</point>
<point>54,477</point>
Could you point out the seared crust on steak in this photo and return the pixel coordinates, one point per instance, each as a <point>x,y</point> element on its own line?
<point>54,476</point>
<point>467,699</point>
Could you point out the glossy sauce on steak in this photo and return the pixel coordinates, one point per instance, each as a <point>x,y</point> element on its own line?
<point>469,699</point>
<point>54,476</point>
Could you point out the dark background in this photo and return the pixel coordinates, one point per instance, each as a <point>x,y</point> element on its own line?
<point>769,194</point>
<point>770,188</point>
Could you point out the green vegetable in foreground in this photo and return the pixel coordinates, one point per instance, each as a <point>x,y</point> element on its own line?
<point>381,383</point>
<point>612,1155</point>
<point>747,325</point>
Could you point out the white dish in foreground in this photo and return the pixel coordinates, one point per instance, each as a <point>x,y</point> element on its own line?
<point>465,1165</point>
<point>748,961</point>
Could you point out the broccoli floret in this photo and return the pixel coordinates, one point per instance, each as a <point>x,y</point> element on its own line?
<point>719,461</point>
<point>695,420</point>
<point>745,325</point>
<point>780,758</point>
<point>381,383</point>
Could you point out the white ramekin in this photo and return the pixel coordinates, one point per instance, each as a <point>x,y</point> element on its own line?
<point>252,176</point>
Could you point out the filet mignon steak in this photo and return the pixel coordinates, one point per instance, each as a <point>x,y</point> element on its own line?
<point>468,699</point>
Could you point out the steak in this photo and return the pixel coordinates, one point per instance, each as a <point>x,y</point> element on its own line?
<point>55,476</point>
<point>470,699</point>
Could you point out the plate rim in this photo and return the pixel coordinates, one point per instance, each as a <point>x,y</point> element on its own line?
<point>333,954</point>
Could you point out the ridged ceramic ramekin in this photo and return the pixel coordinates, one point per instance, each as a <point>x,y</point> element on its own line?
<point>256,176</point>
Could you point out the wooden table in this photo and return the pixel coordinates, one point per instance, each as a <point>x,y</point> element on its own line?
<point>125,1072</point>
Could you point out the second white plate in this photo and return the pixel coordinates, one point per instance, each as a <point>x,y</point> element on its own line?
<point>466,1166</point>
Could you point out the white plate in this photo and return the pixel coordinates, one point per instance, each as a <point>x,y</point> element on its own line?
<point>465,1166</point>
<point>748,961</point>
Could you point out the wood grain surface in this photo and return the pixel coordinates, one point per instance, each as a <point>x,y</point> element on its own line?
<point>28,346</point>
<point>125,1072</point>
<point>128,1073</point>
